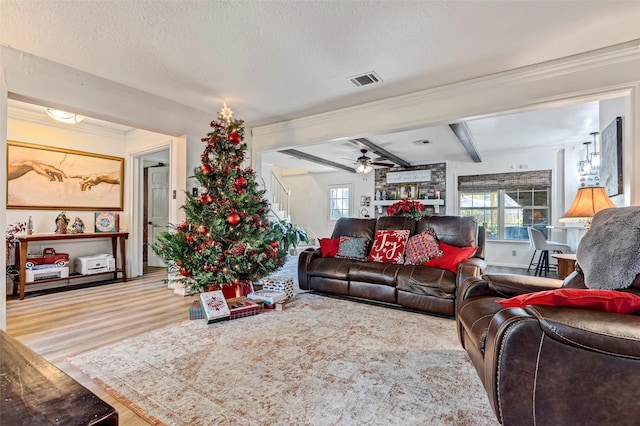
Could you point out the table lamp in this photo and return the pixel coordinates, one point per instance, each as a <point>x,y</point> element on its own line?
<point>589,200</point>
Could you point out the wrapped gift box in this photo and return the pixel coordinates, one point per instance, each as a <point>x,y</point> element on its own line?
<point>279,283</point>
<point>215,306</point>
<point>241,307</point>
<point>195,311</point>
<point>268,297</point>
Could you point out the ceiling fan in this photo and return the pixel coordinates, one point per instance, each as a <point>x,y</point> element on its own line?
<point>365,164</point>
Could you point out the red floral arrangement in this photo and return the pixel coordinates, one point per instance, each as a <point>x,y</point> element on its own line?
<point>405,207</point>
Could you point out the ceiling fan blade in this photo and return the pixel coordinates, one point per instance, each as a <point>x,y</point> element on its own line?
<point>375,163</point>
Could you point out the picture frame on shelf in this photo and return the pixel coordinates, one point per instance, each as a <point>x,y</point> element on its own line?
<point>106,222</point>
<point>409,192</point>
<point>50,178</point>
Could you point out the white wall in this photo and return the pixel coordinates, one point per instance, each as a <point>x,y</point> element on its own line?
<point>68,137</point>
<point>310,198</point>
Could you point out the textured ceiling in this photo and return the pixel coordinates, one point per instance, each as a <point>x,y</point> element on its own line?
<point>279,60</point>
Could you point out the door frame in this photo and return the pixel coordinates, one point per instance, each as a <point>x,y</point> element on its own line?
<point>177,184</point>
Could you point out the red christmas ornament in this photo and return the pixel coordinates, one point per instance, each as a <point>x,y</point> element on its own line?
<point>275,244</point>
<point>203,199</point>
<point>234,137</point>
<point>233,219</point>
<point>206,169</point>
<point>209,199</point>
<point>202,229</point>
<point>241,182</point>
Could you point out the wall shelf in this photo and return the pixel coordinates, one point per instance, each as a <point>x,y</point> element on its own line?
<point>430,202</point>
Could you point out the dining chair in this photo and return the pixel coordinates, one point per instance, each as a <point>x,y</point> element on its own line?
<point>539,243</point>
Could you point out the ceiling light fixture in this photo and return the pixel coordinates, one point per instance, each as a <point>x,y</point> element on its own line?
<point>589,168</point>
<point>64,116</point>
<point>364,168</point>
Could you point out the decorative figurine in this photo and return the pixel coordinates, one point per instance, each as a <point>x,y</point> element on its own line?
<point>29,226</point>
<point>77,227</point>
<point>61,223</point>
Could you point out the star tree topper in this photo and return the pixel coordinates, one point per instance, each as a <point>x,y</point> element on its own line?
<point>226,113</point>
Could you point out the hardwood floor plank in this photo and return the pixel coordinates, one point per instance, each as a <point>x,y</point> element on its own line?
<point>63,324</point>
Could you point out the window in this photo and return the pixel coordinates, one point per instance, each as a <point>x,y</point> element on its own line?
<point>507,203</point>
<point>339,202</point>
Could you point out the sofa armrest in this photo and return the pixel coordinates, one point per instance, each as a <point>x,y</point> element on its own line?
<point>304,259</point>
<point>510,285</point>
<point>540,353</point>
<point>468,268</point>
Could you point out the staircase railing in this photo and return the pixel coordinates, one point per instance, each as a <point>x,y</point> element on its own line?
<point>280,195</point>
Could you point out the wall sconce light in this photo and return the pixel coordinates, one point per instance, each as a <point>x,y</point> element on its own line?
<point>63,116</point>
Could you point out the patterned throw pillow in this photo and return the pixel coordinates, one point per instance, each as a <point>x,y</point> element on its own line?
<point>423,247</point>
<point>353,248</point>
<point>388,246</point>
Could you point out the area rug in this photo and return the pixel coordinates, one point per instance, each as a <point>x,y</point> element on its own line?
<point>321,361</point>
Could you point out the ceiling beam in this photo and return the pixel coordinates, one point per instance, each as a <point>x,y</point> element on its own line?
<point>304,156</point>
<point>366,143</point>
<point>464,136</point>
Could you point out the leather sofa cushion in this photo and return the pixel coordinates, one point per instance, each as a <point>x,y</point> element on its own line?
<point>330,267</point>
<point>454,230</point>
<point>475,315</point>
<point>427,281</point>
<point>600,331</point>
<point>396,223</point>
<point>374,272</point>
<point>354,227</point>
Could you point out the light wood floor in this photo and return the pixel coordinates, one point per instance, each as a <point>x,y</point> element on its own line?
<point>64,324</point>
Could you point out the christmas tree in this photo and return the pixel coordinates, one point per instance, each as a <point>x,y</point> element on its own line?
<point>226,237</point>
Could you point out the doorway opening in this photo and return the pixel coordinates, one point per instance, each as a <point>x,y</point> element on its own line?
<point>155,207</point>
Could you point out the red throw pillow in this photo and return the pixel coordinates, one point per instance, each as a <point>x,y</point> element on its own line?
<point>452,257</point>
<point>388,246</point>
<point>329,246</point>
<point>621,302</point>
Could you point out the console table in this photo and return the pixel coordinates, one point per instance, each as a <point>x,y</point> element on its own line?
<point>35,392</point>
<point>117,239</point>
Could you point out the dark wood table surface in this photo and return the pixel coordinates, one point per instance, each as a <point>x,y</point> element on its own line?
<point>35,392</point>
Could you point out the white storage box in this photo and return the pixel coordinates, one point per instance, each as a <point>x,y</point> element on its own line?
<point>87,265</point>
<point>35,275</point>
<point>279,283</point>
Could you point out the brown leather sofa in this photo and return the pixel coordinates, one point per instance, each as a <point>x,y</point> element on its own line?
<point>546,365</point>
<point>420,288</point>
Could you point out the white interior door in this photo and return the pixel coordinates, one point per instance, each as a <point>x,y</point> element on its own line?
<point>158,209</point>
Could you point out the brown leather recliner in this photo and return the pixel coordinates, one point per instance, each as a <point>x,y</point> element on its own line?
<point>544,365</point>
<point>421,288</point>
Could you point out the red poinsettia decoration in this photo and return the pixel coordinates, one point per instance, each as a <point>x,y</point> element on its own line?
<point>405,207</point>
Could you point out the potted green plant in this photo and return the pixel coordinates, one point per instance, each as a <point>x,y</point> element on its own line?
<point>289,234</point>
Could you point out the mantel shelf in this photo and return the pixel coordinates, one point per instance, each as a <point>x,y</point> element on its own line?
<point>429,202</point>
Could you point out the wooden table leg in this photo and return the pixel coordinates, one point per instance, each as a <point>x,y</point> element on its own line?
<point>123,258</point>
<point>23,267</point>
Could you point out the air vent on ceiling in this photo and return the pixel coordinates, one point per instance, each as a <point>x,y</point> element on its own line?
<point>365,79</point>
